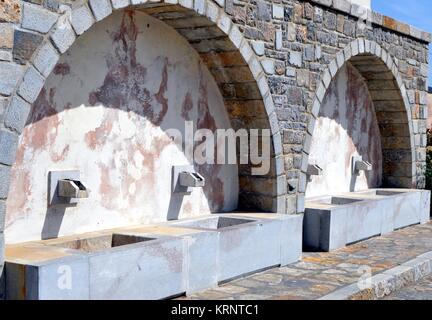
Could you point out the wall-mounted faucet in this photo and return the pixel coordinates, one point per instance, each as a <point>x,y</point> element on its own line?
<point>72,189</point>
<point>358,164</point>
<point>313,170</point>
<point>191,179</point>
<point>184,178</point>
<point>66,188</point>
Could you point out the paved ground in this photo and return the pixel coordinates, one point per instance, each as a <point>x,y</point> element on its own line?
<point>319,274</point>
<point>420,291</point>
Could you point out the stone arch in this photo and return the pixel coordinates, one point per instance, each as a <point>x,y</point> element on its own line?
<point>221,46</point>
<point>389,96</point>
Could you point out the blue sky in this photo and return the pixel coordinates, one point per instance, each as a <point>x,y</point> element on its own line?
<point>415,12</point>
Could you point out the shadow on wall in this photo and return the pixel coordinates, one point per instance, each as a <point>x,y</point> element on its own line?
<point>347,126</point>
<point>125,96</point>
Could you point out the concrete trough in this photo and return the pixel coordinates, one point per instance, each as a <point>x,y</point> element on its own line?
<point>96,266</point>
<point>249,243</point>
<point>152,262</point>
<point>333,222</point>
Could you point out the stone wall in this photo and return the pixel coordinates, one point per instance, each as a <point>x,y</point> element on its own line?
<point>298,47</point>
<point>429,103</point>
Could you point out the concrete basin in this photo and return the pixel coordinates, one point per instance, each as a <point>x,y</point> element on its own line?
<point>383,193</point>
<point>337,201</point>
<point>244,244</point>
<point>152,262</point>
<point>215,223</point>
<point>331,222</point>
<point>101,243</point>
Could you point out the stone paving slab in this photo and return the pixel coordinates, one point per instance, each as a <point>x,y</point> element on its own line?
<point>319,274</point>
<point>420,291</point>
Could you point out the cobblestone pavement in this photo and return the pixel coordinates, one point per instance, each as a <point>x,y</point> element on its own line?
<point>420,291</point>
<point>318,274</point>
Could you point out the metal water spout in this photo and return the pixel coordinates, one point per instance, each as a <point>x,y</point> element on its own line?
<point>191,179</point>
<point>313,170</point>
<point>65,187</point>
<point>358,164</point>
<point>73,189</point>
<point>184,178</point>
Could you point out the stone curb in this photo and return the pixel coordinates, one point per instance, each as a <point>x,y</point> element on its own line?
<point>387,282</point>
<point>367,14</point>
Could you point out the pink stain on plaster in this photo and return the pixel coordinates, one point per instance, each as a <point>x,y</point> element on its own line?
<point>103,111</point>
<point>346,126</point>
<point>214,185</point>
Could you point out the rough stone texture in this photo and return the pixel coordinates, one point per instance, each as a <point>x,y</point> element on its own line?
<point>420,291</point>
<point>37,18</point>
<point>81,19</point>
<point>5,178</point>
<point>101,8</point>
<point>10,11</point>
<point>10,74</point>
<point>8,146</point>
<point>118,4</point>
<point>46,59</point>
<point>429,111</point>
<point>17,113</point>
<point>63,36</point>
<point>32,84</point>
<point>25,45</point>
<point>6,35</point>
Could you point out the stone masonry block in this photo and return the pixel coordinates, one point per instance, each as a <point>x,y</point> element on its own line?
<point>189,3</point>
<point>295,58</point>
<point>2,217</point>
<point>46,59</point>
<point>327,78</point>
<point>5,173</point>
<point>6,35</point>
<point>268,66</point>
<point>212,12</point>
<point>342,5</point>
<point>37,18</point>
<point>118,4</point>
<point>320,92</point>
<point>8,146</point>
<point>5,55</point>
<point>221,3</point>
<point>63,36</point>
<point>32,84</point>
<point>225,24</point>
<point>354,48</point>
<point>258,47</point>
<point>4,102</point>
<point>101,8</point>
<point>236,36</point>
<point>333,68</point>
<point>278,11</point>
<point>278,40</point>
<point>10,74</point>
<point>17,114</point>
<point>200,6</point>
<point>25,45</point>
<point>81,19</point>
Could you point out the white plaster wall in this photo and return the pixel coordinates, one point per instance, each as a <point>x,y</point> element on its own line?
<point>104,111</point>
<point>346,126</point>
